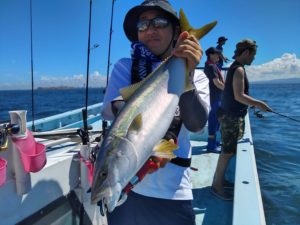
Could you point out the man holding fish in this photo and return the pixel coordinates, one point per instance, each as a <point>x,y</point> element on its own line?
<point>154,114</point>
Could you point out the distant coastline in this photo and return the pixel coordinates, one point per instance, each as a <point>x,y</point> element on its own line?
<point>65,88</point>
<point>278,81</point>
<point>56,88</point>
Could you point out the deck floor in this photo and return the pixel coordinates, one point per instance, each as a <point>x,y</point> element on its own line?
<point>209,209</point>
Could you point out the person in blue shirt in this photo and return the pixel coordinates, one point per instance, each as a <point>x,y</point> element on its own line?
<point>221,41</point>
<point>216,86</point>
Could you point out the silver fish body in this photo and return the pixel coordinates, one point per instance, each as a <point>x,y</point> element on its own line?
<point>127,146</point>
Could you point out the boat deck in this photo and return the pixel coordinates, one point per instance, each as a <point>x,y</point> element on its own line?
<point>209,209</point>
<point>60,176</point>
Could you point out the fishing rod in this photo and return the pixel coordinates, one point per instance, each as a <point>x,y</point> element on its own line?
<point>279,114</point>
<point>84,133</point>
<point>88,57</point>
<point>104,122</point>
<point>258,114</point>
<point>109,43</point>
<point>32,81</point>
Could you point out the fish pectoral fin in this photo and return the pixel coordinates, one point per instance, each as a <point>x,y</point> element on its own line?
<point>136,124</point>
<point>198,33</point>
<point>165,148</point>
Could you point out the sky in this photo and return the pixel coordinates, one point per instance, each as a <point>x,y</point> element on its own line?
<point>60,38</point>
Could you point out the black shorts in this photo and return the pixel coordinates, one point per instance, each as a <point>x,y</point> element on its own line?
<point>143,210</point>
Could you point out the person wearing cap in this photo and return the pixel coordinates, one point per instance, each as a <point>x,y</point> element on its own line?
<point>234,103</point>
<point>164,196</point>
<point>221,41</point>
<point>216,86</point>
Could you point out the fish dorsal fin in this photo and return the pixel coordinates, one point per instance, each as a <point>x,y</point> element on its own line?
<point>198,33</point>
<point>128,91</point>
<point>136,123</point>
<point>165,148</point>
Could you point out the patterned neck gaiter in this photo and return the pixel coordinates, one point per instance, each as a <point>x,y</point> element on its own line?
<point>142,61</point>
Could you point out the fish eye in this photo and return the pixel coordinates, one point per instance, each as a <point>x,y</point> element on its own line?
<point>104,174</point>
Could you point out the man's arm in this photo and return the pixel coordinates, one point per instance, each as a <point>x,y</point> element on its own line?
<point>219,84</point>
<point>213,73</point>
<point>223,57</point>
<point>240,96</point>
<point>194,105</point>
<point>120,77</point>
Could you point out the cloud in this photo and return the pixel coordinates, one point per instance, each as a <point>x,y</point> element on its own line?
<point>77,80</point>
<point>287,66</point>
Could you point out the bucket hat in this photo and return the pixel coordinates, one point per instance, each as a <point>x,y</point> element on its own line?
<point>133,15</point>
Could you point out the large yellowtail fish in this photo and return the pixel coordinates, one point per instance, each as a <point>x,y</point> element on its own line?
<point>139,127</point>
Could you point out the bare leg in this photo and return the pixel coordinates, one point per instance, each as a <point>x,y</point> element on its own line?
<point>219,177</point>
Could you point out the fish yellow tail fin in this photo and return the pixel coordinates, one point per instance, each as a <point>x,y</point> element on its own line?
<point>198,33</point>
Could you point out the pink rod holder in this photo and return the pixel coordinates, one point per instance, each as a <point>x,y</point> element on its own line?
<point>32,153</point>
<point>3,165</point>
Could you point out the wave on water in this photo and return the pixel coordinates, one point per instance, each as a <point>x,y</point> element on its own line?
<point>277,149</point>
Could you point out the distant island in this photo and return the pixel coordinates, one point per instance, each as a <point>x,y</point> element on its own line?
<point>278,81</point>
<point>55,88</point>
<point>64,88</point>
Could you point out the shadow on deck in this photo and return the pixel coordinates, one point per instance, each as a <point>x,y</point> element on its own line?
<point>210,210</point>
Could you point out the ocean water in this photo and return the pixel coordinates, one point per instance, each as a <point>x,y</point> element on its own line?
<point>46,102</point>
<point>277,150</point>
<point>276,139</point>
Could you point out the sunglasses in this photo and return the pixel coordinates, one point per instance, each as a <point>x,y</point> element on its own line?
<point>157,22</point>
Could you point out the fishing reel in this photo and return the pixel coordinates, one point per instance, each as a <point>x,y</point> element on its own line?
<point>257,113</point>
<point>5,130</point>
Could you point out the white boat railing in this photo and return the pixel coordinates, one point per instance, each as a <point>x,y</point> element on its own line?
<point>68,119</point>
<point>248,206</point>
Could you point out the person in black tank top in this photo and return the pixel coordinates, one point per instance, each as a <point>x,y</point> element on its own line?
<point>234,104</point>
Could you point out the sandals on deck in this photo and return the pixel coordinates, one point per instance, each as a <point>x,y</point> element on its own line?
<point>225,195</point>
